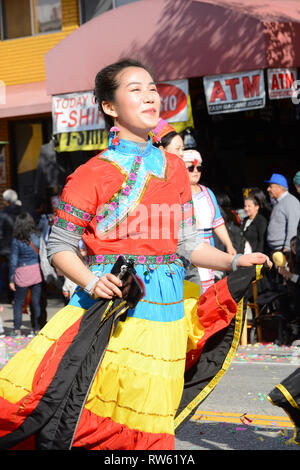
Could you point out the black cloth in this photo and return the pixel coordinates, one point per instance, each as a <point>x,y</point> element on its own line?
<point>297,267</point>
<point>286,395</point>
<point>234,232</point>
<point>54,419</point>
<point>199,378</point>
<point>255,233</point>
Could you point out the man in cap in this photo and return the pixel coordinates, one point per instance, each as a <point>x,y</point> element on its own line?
<point>285,214</point>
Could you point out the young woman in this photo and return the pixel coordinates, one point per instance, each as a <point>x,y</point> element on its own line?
<point>24,270</point>
<point>254,226</point>
<point>119,203</point>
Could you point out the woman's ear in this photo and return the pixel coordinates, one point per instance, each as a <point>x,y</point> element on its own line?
<point>109,109</point>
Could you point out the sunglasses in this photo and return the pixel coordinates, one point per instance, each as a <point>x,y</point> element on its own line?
<point>192,168</point>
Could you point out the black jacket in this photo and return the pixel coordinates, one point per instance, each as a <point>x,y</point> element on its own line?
<point>255,234</point>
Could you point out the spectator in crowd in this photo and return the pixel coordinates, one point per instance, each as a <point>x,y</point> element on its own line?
<point>254,226</point>
<point>7,218</point>
<point>284,217</point>
<point>24,270</point>
<point>265,206</point>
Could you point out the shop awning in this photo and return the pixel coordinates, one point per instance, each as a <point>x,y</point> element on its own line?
<point>25,99</point>
<point>179,39</point>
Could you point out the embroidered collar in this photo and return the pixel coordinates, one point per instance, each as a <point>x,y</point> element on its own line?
<point>127,147</point>
<point>138,169</point>
<point>126,152</point>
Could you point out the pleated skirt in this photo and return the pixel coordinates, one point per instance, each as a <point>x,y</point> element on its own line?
<point>137,388</point>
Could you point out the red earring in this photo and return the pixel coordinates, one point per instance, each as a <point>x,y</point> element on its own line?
<point>155,138</point>
<point>116,140</point>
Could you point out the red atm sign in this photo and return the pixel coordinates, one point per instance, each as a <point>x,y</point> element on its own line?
<point>280,82</point>
<point>234,92</point>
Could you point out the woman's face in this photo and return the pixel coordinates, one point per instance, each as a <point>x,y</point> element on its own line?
<point>137,104</point>
<point>176,146</point>
<point>250,208</point>
<point>194,175</point>
<point>293,246</point>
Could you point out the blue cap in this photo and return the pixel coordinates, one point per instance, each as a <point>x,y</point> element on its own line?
<point>277,178</point>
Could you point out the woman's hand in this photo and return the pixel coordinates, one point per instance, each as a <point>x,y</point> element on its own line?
<point>12,286</point>
<point>231,250</point>
<point>253,258</point>
<point>108,286</point>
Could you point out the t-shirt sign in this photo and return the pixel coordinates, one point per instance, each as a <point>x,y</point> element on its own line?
<point>76,112</point>
<point>240,91</point>
<point>280,83</point>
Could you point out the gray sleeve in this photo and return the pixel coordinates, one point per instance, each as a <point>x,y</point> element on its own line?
<point>188,240</point>
<point>61,240</point>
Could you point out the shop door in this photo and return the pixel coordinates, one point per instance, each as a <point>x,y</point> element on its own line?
<point>27,142</point>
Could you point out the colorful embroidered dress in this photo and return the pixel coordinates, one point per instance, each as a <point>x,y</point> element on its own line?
<point>120,203</point>
<point>125,202</point>
<point>208,217</point>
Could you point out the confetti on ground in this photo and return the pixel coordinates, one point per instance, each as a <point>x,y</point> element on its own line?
<point>268,352</point>
<point>10,346</point>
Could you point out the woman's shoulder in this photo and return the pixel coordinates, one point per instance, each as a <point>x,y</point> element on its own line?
<point>90,173</point>
<point>260,218</point>
<point>35,237</point>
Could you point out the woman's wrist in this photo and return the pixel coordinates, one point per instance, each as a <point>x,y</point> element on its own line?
<point>90,287</point>
<point>234,261</point>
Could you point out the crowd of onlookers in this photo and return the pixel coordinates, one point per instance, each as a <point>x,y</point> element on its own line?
<point>268,223</point>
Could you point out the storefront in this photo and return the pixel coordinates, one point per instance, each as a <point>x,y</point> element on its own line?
<point>238,65</point>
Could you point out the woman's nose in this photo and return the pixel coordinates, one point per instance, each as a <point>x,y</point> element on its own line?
<point>148,97</point>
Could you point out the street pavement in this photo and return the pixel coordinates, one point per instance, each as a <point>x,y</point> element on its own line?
<point>237,415</point>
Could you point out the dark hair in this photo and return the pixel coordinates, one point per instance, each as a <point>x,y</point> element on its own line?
<point>166,139</point>
<point>259,196</point>
<point>24,226</point>
<point>225,205</point>
<point>106,84</point>
<point>253,198</point>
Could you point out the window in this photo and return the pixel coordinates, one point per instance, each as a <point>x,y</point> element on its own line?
<point>21,18</point>
<point>89,9</point>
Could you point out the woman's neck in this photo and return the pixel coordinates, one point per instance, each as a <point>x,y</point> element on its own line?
<point>251,217</point>
<point>134,136</point>
<point>196,188</point>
